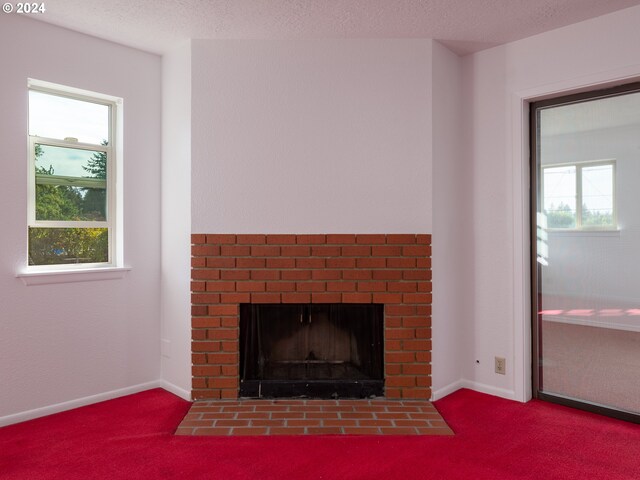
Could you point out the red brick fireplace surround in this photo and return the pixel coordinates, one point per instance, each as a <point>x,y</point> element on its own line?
<point>229,270</point>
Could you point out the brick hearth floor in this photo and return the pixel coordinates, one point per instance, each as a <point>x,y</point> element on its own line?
<point>313,417</point>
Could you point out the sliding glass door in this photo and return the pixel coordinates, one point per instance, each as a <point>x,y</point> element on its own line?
<point>585,177</point>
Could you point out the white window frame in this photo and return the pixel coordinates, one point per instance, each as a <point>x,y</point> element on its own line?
<point>114,215</point>
<point>579,166</point>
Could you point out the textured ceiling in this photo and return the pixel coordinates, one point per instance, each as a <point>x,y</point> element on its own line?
<point>465,26</point>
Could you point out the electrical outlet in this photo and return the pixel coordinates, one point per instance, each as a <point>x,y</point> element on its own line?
<point>501,366</point>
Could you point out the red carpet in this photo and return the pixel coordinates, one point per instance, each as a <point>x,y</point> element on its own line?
<point>131,438</point>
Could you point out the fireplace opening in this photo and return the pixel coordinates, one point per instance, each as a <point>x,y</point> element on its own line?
<point>311,350</point>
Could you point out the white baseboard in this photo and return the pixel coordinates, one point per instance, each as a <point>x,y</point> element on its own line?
<point>471,385</point>
<point>79,402</point>
<point>180,392</point>
<point>447,390</point>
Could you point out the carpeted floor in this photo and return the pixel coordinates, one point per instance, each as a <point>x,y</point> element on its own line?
<point>132,438</point>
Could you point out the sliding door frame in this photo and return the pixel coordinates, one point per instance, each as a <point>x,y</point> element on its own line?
<point>534,182</point>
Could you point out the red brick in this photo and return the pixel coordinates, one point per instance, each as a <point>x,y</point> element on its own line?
<point>418,321</point>
<point>198,286</point>
<point>356,251</point>
<point>341,262</point>
<point>235,274</point>
<point>399,333</point>
<point>425,287</point>
<point>415,393</point>
<point>198,310</point>
<point>386,251</point>
<point>205,298</point>
<point>416,298</point>
<point>373,262</point>
<point>235,251</point>
<point>311,287</point>
<point>387,298</point>
<point>356,298</point>
<point>229,370</point>
<point>400,357</point>
<point>205,322</point>
<point>423,356</point>
<point>250,286</point>
<point>222,358</point>
<point>223,334</point>
<point>408,287</point>
<point>423,262</point>
<point>280,263</point>
<point>286,431</point>
<point>281,286</point>
<point>400,381</point>
<point>401,239</point>
<point>367,239</point>
<point>372,286</point>
<point>417,275</point>
<point>416,251</point>
<point>226,382</point>
<point>326,274</point>
<point>393,369</point>
<point>423,333</point>
<point>221,239</point>
<point>310,239</point>
<point>296,297</point>
<point>205,370</point>
<point>281,239</point>
<point>402,262</point>
<point>326,297</point>
<point>417,344</point>
<point>392,345</point>
<point>324,251</point>
<point>310,262</point>
<point>198,334</point>
<point>221,286</point>
<point>250,239</point>
<point>341,239</point>
<point>235,297</point>
<point>423,239</point>
<point>416,369</point>
<point>423,310</point>
<point>197,383</point>
<point>402,310</point>
<point>221,262</point>
<point>296,275</point>
<point>223,310</point>
<point>356,274</point>
<point>341,286</point>
<point>248,262</point>
<point>265,298</point>
<point>265,251</point>
<point>198,262</point>
<point>205,274</point>
<point>387,274</point>
<point>297,251</point>
<point>197,238</point>
<point>231,393</point>
<point>229,322</point>
<point>205,346</point>
<point>205,251</point>
<point>393,322</point>
<point>265,275</point>
<point>198,358</point>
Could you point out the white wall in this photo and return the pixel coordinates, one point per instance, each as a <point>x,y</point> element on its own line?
<point>451,224</point>
<point>326,136</point>
<point>176,220</point>
<point>60,343</point>
<point>498,83</point>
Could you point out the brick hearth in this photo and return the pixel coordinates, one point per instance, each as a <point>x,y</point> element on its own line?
<point>394,270</point>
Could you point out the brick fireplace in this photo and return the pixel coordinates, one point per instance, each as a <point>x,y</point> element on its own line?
<point>229,270</point>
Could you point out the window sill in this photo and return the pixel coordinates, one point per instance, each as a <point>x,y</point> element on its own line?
<point>47,277</point>
<point>584,233</point>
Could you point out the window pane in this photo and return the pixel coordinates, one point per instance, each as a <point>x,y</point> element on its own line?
<point>67,203</point>
<point>52,116</point>
<point>64,246</point>
<point>597,196</point>
<point>70,162</point>
<point>560,196</point>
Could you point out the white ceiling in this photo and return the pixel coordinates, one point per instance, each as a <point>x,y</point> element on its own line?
<point>465,26</point>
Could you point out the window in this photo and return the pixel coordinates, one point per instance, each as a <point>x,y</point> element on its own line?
<point>580,196</point>
<point>72,202</point>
